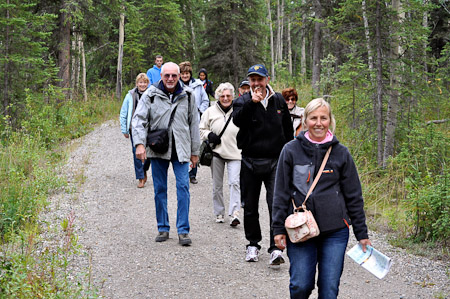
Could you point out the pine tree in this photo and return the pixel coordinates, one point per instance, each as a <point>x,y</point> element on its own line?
<point>24,59</point>
<point>234,38</point>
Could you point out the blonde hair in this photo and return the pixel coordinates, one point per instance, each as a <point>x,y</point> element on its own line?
<point>222,87</point>
<point>142,76</point>
<point>313,106</point>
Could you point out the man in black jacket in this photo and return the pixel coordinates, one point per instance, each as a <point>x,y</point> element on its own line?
<point>264,127</point>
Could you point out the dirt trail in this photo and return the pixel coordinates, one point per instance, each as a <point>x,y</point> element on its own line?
<point>117,226</point>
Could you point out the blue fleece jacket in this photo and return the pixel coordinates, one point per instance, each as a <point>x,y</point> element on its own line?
<point>154,74</point>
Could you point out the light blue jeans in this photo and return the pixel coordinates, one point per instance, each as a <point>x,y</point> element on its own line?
<point>327,253</point>
<point>159,174</point>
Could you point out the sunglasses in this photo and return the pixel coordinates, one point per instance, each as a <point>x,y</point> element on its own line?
<point>291,100</point>
<point>167,76</point>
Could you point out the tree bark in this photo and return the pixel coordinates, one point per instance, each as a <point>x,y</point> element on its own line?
<point>425,42</point>
<point>120,56</point>
<point>235,49</point>
<point>277,44</point>
<point>379,99</point>
<point>269,19</point>
<point>6,66</point>
<point>83,78</point>
<point>289,46</point>
<point>393,104</point>
<point>64,50</point>
<point>303,44</point>
<point>317,50</point>
<point>280,46</point>
<point>367,34</point>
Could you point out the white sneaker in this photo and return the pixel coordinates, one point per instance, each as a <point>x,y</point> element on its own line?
<point>276,258</point>
<point>252,254</point>
<point>234,219</point>
<point>220,219</point>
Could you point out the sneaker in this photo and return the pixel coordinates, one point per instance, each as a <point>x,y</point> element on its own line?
<point>162,236</point>
<point>184,240</point>
<point>234,221</point>
<point>276,258</point>
<point>252,254</point>
<point>193,180</point>
<point>220,219</point>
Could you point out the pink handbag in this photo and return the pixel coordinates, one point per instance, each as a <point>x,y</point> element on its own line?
<point>301,225</point>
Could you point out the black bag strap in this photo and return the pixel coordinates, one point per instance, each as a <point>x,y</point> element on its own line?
<point>226,125</point>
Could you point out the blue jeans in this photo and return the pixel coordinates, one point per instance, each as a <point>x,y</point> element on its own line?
<point>139,168</point>
<point>159,174</point>
<point>193,172</point>
<point>327,253</point>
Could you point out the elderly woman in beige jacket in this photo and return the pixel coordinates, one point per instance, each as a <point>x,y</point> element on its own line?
<point>225,152</point>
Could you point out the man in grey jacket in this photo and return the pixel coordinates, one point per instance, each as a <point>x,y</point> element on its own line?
<point>154,110</point>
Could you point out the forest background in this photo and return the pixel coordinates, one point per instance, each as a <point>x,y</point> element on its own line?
<point>383,65</point>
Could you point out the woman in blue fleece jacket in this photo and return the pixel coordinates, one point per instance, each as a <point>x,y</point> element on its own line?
<point>336,203</point>
<point>126,113</point>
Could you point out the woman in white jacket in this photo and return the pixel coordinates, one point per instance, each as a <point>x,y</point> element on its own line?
<point>225,152</point>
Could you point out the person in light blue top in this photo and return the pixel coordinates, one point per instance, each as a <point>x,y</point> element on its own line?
<point>201,100</point>
<point>126,113</point>
<point>154,73</point>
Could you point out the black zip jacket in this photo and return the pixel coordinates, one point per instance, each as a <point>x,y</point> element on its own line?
<point>262,132</point>
<point>337,198</point>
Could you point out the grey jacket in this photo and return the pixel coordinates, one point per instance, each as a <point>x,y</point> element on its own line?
<point>184,128</point>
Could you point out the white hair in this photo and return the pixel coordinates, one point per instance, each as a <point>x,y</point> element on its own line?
<point>222,87</point>
<point>170,63</point>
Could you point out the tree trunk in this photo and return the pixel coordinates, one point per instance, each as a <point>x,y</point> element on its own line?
<point>64,50</point>
<point>269,19</point>
<point>379,101</point>
<point>120,56</point>
<point>235,49</point>
<point>317,50</point>
<point>425,43</point>
<point>83,78</point>
<point>280,41</point>
<point>367,34</point>
<point>303,44</point>
<point>393,104</point>
<point>289,46</point>
<point>6,66</point>
<point>277,43</point>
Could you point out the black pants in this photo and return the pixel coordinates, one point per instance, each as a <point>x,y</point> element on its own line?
<point>251,179</point>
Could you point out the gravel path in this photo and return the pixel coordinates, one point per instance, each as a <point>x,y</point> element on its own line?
<point>116,225</point>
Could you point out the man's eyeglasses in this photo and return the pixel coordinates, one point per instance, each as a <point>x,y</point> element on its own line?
<point>167,76</point>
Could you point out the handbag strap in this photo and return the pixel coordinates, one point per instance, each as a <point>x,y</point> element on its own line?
<point>226,124</point>
<point>316,179</point>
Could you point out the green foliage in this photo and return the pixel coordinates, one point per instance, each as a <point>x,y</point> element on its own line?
<point>31,268</point>
<point>427,182</point>
<point>29,159</point>
<point>233,39</point>
<point>27,162</point>
<point>24,59</point>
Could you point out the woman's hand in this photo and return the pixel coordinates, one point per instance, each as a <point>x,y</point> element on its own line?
<point>280,241</point>
<point>364,243</point>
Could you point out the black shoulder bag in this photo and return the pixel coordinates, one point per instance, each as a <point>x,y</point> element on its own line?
<point>158,140</point>
<point>206,151</point>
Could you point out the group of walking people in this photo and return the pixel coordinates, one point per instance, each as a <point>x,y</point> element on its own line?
<point>259,137</point>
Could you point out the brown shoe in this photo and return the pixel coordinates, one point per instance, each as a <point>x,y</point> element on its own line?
<point>141,183</point>
<point>145,177</point>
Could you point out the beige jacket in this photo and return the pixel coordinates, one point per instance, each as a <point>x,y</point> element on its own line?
<point>213,120</point>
